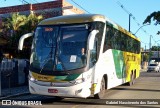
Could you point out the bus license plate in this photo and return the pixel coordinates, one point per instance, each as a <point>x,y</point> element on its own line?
<point>52,91</point>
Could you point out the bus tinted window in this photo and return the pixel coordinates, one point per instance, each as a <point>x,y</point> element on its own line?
<point>115,39</point>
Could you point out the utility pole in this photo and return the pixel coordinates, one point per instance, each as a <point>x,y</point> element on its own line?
<point>158,53</point>
<point>31,9</point>
<point>150,42</point>
<point>150,48</point>
<point>31,2</point>
<point>130,22</point>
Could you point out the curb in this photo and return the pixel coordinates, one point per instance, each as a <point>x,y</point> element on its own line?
<point>15,95</point>
<point>143,70</point>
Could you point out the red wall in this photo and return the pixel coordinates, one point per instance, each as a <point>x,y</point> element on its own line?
<point>27,7</point>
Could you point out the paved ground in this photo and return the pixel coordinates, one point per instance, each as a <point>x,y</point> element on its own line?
<point>14,91</point>
<point>5,93</point>
<point>146,88</point>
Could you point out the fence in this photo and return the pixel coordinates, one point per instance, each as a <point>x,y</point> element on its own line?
<point>13,73</point>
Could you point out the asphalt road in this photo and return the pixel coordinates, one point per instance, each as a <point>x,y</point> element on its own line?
<point>144,93</point>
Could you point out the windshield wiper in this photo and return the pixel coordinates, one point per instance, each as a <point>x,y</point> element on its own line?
<point>45,62</point>
<point>50,55</point>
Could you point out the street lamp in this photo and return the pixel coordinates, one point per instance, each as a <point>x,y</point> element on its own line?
<point>149,39</point>
<point>140,28</point>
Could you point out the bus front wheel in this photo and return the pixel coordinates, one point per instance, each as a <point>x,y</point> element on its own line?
<point>101,94</point>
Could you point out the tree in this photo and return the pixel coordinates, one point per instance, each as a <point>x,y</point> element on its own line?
<point>15,26</point>
<point>15,22</point>
<point>155,16</point>
<point>11,25</point>
<point>31,23</point>
<point>11,29</point>
<point>155,48</point>
<point>145,57</point>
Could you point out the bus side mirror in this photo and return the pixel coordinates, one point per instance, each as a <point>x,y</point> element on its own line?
<point>92,38</point>
<point>21,40</point>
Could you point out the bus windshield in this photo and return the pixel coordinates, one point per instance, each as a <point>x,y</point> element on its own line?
<point>59,48</point>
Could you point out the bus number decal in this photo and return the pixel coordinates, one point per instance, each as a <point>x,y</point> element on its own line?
<point>48,29</point>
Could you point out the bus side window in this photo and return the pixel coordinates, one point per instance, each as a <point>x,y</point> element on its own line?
<point>123,42</point>
<point>108,41</point>
<point>111,39</point>
<point>117,40</point>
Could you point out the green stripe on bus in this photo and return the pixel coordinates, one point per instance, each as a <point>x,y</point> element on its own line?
<point>119,64</point>
<point>72,77</point>
<point>67,78</point>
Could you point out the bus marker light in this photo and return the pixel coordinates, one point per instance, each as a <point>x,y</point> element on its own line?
<point>78,91</point>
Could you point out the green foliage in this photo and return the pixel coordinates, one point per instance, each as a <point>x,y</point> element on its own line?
<point>155,48</point>
<point>155,16</point>
<point>145,57</point>
<point>15,26</point>
<point>150,54</point>
<point>31,23</point>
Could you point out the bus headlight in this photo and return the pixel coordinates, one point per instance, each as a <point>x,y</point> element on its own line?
<point>31,78</point>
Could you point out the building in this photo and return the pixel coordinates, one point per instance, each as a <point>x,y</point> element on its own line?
<point>47,9</point>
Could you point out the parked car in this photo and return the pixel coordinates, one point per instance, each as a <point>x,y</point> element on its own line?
<point>153,67</point>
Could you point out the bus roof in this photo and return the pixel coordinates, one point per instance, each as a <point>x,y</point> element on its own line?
<point>70,19</point>
<point>79,18</point>
<point>126,32</point>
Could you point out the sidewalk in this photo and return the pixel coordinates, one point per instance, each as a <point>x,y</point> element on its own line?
<point>15,91</point>
<point>143,70</point>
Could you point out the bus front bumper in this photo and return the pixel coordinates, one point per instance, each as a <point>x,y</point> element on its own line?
<point>80,90</point>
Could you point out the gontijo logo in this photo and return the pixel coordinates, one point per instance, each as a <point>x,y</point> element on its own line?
<point>42,77</point>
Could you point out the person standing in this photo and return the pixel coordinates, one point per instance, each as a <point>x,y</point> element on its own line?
<point>83,56</point>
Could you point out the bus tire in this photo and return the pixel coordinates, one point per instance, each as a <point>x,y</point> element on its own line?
<point>101,94</point>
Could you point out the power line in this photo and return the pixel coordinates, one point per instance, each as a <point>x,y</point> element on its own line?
<point>129,13</point>
<point>134,18</point>
<point>24,1</point>
<point>36,1</point>
<point>80,6</point>
<point>144,42</point>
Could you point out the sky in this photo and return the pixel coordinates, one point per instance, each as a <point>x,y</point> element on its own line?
<point>112,9</point>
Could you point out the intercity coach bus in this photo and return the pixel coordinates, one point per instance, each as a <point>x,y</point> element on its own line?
<point>81,56</point>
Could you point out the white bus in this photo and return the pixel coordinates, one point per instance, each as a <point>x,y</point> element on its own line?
<point>81,56</point>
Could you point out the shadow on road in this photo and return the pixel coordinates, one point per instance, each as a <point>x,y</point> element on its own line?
<point>135,89</point>
<point>150,74</point>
